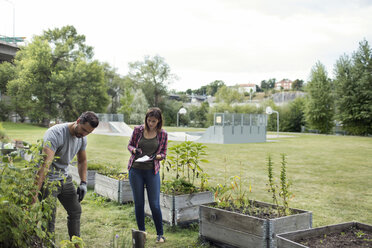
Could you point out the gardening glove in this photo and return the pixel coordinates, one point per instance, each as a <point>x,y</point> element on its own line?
<point>82,190</point>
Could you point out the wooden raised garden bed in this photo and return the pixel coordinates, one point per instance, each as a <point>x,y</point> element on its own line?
<point>91,176</point>
<point>116,190</point>
<point>350,234</point>
<point>181,209</point>
<point>231,229</point>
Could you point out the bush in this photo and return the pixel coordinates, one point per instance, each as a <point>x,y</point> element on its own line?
<point>23,224</point>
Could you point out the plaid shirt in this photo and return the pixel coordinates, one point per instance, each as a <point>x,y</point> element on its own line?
<point>162,148</point>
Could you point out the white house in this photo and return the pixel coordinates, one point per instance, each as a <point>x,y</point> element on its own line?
<point>247,88</point>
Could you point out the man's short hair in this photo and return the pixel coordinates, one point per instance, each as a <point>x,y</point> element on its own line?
<point>89,117</point>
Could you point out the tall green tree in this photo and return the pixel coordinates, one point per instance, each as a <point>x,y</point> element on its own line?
<point>116,86</point>
<point>354,90</point>
<point>33,94</point>
<point>56,78</point>
<point>7,73</point>
<point>126,99</point>
<point>139,107</point>
<point>170,110</point>
<point>319,110</point>
<point>199,114</point>
<point>229,95</point>
<point>213,87</point>
<point>296,115</point>
<point>152,75</point>
<point>268,84</point>
<point>297,84</point>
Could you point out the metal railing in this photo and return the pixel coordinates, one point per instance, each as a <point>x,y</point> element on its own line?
<point>227,119</point>
<point>110,117</point>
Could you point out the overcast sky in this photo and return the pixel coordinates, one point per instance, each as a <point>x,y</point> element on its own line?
<point>237,41</point>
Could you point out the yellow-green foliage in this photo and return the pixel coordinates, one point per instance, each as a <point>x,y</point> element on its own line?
<point>3,136</point>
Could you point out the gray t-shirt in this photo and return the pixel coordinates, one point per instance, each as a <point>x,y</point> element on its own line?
<point>65,147</point>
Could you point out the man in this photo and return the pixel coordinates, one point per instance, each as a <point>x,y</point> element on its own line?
<point>61,143</point>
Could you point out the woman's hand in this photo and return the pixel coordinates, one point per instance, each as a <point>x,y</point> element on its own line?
<point>158,156</point>
<point>134,151</point>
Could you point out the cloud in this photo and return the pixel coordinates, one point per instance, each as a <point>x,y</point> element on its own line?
<point>237,41</point>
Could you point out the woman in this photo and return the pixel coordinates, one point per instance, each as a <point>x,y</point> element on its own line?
<point>151,140</point>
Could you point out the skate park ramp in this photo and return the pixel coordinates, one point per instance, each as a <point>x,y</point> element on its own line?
<point>122,129</point>
<point>227,129</point>
<point>113,128</point>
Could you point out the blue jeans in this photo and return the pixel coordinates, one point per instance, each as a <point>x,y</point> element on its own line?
<point>138,179</point>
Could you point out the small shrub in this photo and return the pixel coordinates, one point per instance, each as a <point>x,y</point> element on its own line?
<point>22,223</point>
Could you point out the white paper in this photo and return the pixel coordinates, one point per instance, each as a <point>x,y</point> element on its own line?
<point>143,159</point>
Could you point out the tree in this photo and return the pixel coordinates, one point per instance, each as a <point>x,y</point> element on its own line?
<point>7,73</point>
<point>55,78</point>
<point>354,90</point>
<point>269,84</point>
<point>296,115</point>
<point>115,86</point>
<point>33,94</point>
<point>152,75</point>
<point>201,115</point>
<point>213,87</point>
<point>170,110</point>
<point>201,91</point>
<point>229,95</point>
<point>139,106</point>
<point>127,99</point>
<point>319,108</point>
<point>297,84</point>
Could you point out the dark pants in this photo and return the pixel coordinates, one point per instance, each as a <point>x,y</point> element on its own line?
<point>138,179</point>
<point>66,194</point>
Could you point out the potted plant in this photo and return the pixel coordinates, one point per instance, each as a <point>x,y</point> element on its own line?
<point>184,187</point>
<point>113,185</point>
<point>350,234</point>
<point>238,221</point>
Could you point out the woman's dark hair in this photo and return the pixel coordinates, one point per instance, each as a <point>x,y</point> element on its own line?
<point>89,117</point>
<point>154,112</point>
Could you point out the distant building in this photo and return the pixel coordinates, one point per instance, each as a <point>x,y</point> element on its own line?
<point>247,88</point>
<point>285,84</point>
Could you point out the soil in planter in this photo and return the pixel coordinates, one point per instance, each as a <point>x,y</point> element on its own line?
<point>259,212</point>
<point>350,238</point>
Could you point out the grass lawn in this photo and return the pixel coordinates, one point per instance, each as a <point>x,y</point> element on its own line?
<point>331,176</point>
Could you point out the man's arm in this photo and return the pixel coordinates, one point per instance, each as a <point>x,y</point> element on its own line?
<point>40,177</point>
<point>82,165</point>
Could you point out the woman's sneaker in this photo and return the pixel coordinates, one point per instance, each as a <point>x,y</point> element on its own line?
<point>160,239</point>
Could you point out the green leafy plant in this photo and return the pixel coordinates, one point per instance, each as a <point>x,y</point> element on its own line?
<point>232,195</point>
<point>360,234</point>
<point>184,160</point>
<point>284,190</point>
<point>272,186</point>
<point>96,166</point>
<point>23,224</point>
<point>3,136</point>
<point>73,243</point>
<point>112,172</point>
